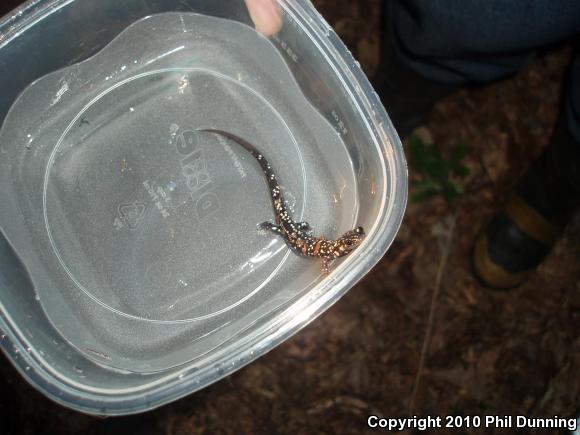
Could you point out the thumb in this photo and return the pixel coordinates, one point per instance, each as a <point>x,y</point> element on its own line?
<point>266,16</point>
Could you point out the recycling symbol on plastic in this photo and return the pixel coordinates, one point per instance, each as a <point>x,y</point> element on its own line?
<point>131,214</point>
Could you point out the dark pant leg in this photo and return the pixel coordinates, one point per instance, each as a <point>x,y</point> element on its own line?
<point>552,184</point>
<point>520,236</point>
<point>476,41</point>
<point>454,42</point>
<point>572,102</point>
<point>432,46</point>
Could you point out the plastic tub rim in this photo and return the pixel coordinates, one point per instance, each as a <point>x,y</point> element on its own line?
<point>80,397</point>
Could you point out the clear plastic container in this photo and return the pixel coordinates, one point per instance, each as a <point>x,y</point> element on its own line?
<point>131,269</point>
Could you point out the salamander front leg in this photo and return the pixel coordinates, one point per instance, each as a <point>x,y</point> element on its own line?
<point>269,227</point>
<point>304,226</point>
<point>326,266</point>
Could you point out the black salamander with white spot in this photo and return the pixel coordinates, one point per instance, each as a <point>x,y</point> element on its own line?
<point>298,235</point>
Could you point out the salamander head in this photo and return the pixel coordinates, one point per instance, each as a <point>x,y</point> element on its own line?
<point>350,240</point>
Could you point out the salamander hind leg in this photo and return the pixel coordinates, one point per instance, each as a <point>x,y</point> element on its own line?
<point>326,266</point>
<point>266,227</point>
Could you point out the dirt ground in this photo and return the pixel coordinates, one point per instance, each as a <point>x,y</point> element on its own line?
<point>487,353</point>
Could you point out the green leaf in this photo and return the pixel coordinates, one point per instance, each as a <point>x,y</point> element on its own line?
<point>435,170</point>
<point>452,191</point>
<point>427,159</point>
<point>459,152</point>
<point>422,195</point>
<point>461,171</point>
<point>426,184</point>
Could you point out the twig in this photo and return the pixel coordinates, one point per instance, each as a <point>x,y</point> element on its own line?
<point>430,319</point>
<point>350,403</point>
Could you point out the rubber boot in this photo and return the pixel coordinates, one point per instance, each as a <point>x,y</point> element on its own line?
<point>518,238</point>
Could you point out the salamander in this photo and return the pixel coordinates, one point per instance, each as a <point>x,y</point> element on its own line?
<point>297,235</point>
